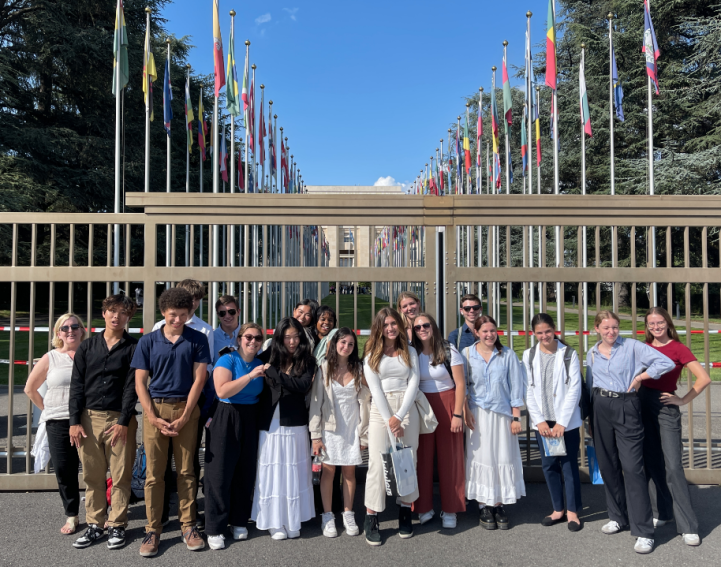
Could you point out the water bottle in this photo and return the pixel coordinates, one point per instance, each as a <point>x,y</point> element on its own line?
<point>317,468</point>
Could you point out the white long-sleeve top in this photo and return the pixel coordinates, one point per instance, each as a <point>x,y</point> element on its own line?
<point>394,376</point>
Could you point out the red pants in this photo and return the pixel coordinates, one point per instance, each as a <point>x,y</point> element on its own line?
<point>449,448</point>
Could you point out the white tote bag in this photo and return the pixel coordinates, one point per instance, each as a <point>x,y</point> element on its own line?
<point>398,466</point>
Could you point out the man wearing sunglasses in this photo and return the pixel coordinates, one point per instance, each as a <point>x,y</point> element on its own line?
<point>471,309</point>
<point>226,334</point>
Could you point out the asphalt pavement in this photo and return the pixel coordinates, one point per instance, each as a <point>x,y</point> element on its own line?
<point>31,522</point>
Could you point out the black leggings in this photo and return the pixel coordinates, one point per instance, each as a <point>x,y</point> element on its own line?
<point>66,463</point>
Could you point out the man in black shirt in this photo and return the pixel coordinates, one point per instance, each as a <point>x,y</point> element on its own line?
<point>102,421</point>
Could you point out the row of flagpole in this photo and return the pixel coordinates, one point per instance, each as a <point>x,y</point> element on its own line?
<point>429,182</point>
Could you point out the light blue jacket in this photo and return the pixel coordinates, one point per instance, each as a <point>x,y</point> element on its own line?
<point>498,385</point>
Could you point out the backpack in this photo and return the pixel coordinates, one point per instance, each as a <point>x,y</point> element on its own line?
<point>585,402</point>
<point>137,483</point>
<point>447,361</point>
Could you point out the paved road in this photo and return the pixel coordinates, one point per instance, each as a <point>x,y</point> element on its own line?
<point>31,521</point>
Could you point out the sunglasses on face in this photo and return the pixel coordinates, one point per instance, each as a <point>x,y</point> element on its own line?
<point>230,312</point>
<point>469,308</point>
<point>422,326</point>
<point>251,338</point>
<point>68,328</point>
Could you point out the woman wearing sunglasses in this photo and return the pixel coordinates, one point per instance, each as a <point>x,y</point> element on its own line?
<point>441,370</point>
<point>231,439</point>
<point>283,496</point>
<point>662,444</point>
<point>496,388</point>
<point>55,368</point>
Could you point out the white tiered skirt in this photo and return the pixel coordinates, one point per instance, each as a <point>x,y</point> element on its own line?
<point>494,470</point>
<point>283,484</point>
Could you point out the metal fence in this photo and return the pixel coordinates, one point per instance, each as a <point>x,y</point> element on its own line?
<point>568,255</point>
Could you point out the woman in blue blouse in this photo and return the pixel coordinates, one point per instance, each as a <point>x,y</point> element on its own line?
<point>615,369</point>
<point>496,388</point>
<point>231,442</point>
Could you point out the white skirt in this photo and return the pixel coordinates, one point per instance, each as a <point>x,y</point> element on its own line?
<point>283,484</point>
<point>494,469</point>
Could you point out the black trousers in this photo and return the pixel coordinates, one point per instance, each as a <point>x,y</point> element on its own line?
<point>66,463</point>
<point>231,458</point>
<point>618,437</point>
<point>663,454</point>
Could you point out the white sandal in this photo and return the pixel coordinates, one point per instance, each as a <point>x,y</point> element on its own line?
<point>72,522</point>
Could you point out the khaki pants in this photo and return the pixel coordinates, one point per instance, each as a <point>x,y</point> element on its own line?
<point>378,442</point>
<point>156,457</point>
<point>97,455</point>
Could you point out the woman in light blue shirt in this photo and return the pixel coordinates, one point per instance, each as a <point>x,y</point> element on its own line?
<point>615,369</point>
<point>496,387</point>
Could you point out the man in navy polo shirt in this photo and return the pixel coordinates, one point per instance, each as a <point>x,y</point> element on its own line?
<point>175,359</point>
<point>471,309</point>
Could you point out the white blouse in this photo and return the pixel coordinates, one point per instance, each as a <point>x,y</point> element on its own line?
<point>60,369</point>
<point>394,376</point>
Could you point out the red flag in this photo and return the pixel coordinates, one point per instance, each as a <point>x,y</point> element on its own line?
<point>219,67</point>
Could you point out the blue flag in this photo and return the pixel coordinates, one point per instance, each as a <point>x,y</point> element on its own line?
<point>617,90</point>
<point>167,97</point>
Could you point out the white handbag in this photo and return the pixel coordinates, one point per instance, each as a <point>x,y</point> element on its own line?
<point>399,469</point>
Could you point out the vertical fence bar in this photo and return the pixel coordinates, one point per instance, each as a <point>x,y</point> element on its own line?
<point>108,255</point>
<point>687,310</point>
<point>264,310</point>
<point>597,237</point>
<point>11,354</point>
<point>669,264</point>
<point>706,351</point>
<point>31,349</point>
<point>634,322</point>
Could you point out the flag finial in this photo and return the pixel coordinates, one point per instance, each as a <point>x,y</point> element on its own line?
<point>480,89</point>
<point>493,68</point>
<point>275,116</point>
<point>247,42</point>
<point>167,40</point>
<point>262,86</point>
<point>188,66</point>
<point>505,43</point>
<point>232,13</point>
<point>270,103</point>
<point>253,67</point>
<point>610,15</point>
<point>441,141</point>
<point>529,14</point>
<point>468,104</point>
<point>459,118</point>
<point>538,89</point>
<point>583,46</point>
<point>147,9</point>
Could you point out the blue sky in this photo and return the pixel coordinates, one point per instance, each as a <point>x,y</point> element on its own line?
<point>364,90</point>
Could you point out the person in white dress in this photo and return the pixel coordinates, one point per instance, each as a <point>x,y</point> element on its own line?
<point>496,388</point>
<point>283,496</point>
<point>56,368</point>
<point>339,410</point>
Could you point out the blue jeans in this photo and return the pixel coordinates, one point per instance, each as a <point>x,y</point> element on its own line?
<point>563,470</point>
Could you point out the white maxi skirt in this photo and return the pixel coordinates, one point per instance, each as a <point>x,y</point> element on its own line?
<point>283,494</point>
<point>494,469</point>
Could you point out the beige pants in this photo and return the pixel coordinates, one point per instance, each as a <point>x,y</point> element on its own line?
<point>156,459</point>
<point>378,442</point>
<point>97,455</point>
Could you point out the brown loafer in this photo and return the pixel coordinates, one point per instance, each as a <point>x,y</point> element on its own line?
<point>192,539</point>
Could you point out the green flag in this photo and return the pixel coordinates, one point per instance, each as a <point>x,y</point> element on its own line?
<point>232,100</point>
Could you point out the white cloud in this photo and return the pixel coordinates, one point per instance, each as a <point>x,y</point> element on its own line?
<point>263,19</point>
<point>389,182</point>
<point>291,12</point>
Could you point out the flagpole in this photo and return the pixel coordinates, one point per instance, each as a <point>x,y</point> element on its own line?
<point>461,167</point>
<point>450,177</point>
<point>118,119</point>
<point>440,171</point>
<point>505,119</point>
<point>584,258</point>
<point>254,240</point>
<point>541,298</point>
<point>215,161</point>
<point>187,172</point>
<point>262,141</point>
<point>167,180</point>
<point>479,145</point>
<point>529,97</point>
<point>147,105</point>
<point>247,51</point>
<point>651,184</point>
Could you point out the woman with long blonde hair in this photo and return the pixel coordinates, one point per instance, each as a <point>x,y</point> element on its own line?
<point>663,445</point>
<point>391,371</point>
<point>409,306</point>
<point>53,434</point>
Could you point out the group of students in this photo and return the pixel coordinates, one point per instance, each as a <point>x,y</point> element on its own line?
<point>268,407</point>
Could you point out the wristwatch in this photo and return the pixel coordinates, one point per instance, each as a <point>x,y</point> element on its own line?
<point>516,419</point>
<point>458,416</point>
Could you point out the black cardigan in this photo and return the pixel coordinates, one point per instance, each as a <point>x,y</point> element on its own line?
<point>287,390</point>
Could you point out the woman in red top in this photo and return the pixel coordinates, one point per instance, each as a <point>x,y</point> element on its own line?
<point>663,447</point>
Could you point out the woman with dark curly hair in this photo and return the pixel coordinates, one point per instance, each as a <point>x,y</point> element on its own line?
<point>283,487</point>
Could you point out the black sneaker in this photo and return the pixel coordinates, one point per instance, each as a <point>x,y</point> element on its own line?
<point>116,538</point>
<point>501,518</point>
<point>488,518</point>
<point>91,535</point>
<point>370,527</point>
<point>405,524</point>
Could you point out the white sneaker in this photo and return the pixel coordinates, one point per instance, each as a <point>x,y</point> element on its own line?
<point>643,545</point>
<point>426,517</point>
<point>691,539</point>
<point>611,527</point>
<point>216,541</point>
<point>658,523</point>
<point>351,528</point>
<point>278,535</point>
<point>292,534</point>
<point>328,523</point>
<point>239,532</point>
<point>449,520</point>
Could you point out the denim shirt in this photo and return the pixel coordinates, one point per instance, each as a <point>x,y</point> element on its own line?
<point>497,385</point>
<point>628,359</point>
